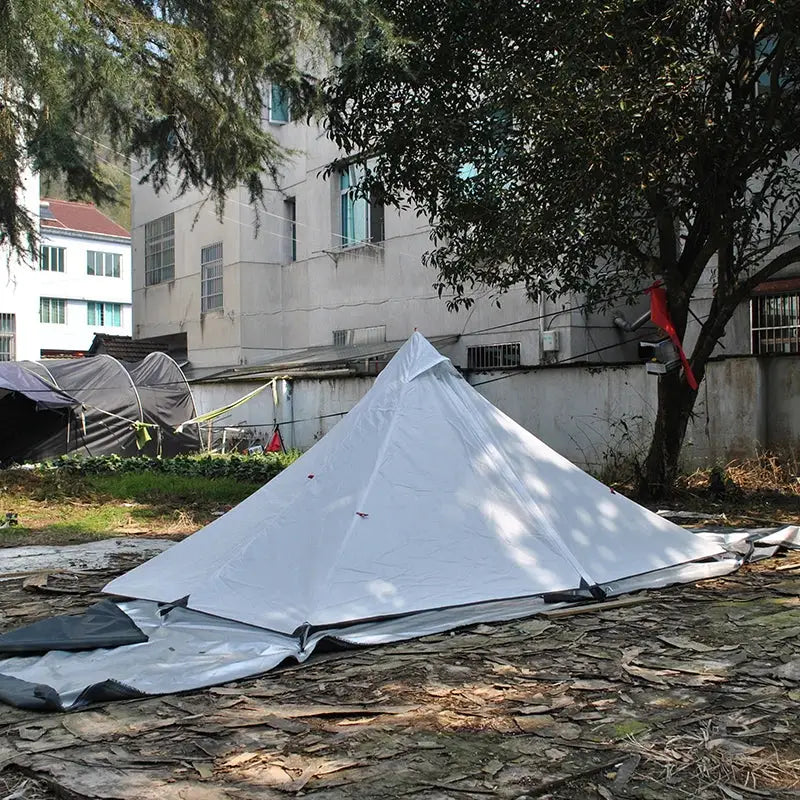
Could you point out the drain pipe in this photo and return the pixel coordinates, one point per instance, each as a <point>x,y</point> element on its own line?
<point>623,324</point>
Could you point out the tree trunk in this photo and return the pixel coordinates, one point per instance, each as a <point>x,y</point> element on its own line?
<point>676,400</point>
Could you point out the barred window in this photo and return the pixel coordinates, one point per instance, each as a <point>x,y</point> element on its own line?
<point>211,277</point>
<point>159,250</point>
<point>375,334</point>
<point>104,315</point>
<point>103,264</point>
<point>52,311</point>
<point>494,356</point>
<point>51,259</point>
<point>8,339</point>
<point>775,323</point>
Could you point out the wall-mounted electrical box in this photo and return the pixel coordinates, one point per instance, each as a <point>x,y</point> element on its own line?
<point>549,341</point>
<point>661,356</point>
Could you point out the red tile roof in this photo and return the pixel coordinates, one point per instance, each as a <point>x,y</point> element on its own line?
<point>85,217</point>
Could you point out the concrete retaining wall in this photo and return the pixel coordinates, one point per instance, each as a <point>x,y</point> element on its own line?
<point>593,416</point>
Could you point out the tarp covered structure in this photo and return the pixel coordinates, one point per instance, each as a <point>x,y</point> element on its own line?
<point>424,509</point>
<point>111,402</point>
<point>28,402</point>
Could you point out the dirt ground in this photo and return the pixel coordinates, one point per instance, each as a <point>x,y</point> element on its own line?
<point>689,692</point>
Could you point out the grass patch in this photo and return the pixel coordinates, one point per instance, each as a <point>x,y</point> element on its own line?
<point>58,507</point>
<point>172,490</point>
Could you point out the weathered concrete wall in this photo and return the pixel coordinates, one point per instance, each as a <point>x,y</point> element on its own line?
<point>783,417</point>
<point>596,417</point>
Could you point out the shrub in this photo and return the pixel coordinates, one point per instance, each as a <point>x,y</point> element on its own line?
<point>246,468</point>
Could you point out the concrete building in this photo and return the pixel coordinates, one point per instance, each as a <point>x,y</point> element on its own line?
<point>80,285</point>
<point>322,268</point>
<point>319,267</point>
<point>322,287</point>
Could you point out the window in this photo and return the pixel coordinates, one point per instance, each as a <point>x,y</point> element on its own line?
<point>211,277</point>
<point>51,259</point>
<point>52,311</point>
<point>279,112</point>
<point>7,337</point>
<point>107,264</point>
<point>775,323</point>
<point>494,356</point>
<point>104,315</point>
<point>351,336</point>
<point>159,250</point>
<point>290,213</point>
<point>361,217</point>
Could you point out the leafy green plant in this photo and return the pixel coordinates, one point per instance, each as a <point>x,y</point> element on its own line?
<point>244,468</point>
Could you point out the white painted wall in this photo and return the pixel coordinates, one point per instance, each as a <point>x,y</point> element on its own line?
<point>272,304</point>
<point>18,288</point>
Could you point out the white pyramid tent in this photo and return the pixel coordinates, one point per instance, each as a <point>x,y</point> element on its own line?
<point>425,496</point>
<point>423,510</point>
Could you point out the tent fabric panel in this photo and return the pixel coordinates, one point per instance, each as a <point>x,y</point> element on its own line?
<point>166,401</point>
<point>101,625</point>
<point>251,567</point>
<point>423,496</point>
<point>103,385</point>
<point>187,649</point>
<point>184,650</point>
<point>16,378</point>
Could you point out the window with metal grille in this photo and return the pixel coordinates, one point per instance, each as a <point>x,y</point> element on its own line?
<point>775,323</point>
<point>8,339</point>
<point>211,277</point>
<point>159,250</point>
<point>51,259</point>
<point>104,315</point>
<point>374,334</point>
<point>52,311</point>
<point>103,264</point>
<point>494,356</point>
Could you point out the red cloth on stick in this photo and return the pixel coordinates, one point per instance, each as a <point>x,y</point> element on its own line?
<point>660,316</point>
<point>276,442</point>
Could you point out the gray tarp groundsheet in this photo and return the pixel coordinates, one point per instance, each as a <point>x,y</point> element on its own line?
<point>151,648</point>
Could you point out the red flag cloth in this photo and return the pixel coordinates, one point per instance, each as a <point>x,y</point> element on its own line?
<point>660,316</point>
<point>275,443</point>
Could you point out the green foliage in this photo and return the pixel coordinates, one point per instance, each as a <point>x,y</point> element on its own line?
<point>253,469</point>
<point>634,135</point>
<point>179,85</point>
<point>587,147</point>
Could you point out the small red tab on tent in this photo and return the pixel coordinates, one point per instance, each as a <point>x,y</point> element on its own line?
<point>612,491</point>
<point>275,443</point>
<point>310,476</point>
<point>361,514</point>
